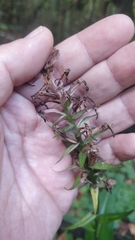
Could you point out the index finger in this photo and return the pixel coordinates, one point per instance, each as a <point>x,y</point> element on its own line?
<point>94,44</point>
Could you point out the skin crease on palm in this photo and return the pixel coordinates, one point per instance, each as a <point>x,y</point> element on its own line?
<point>32,195</point>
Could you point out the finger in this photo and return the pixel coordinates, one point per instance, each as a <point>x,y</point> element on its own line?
<point>118,149</point>
<point>74,55</point>
<point>109,77</point>
<point>119,112</point>
<point>94,44</point>
<point>21,60</point>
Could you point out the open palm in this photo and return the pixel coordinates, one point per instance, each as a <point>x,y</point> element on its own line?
<point>35,193</point>
<point>33,199</point>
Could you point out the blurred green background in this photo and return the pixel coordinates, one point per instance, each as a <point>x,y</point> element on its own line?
<point>120,200</point>
<point>62,17</point>
<point>65,18</point>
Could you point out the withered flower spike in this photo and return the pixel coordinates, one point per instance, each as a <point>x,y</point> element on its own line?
<point>92,158</point>
<point>74,86</point>
<point>95,109</point>
<point>84,176</point>
<point>64,77</point>
<point>80,141</point>
<point>107,126</point>
<point>87,131</point>
<point>52,59</point>
<point>68,136</point>
<point>42,115</point>
<point>80,81</point>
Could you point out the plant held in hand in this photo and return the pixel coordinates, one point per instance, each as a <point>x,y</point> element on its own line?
<point>74,110</point>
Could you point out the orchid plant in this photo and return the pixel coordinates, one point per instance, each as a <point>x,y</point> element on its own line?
<point>73,111</point>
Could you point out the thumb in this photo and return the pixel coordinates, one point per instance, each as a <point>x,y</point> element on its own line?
<point>22,59</point>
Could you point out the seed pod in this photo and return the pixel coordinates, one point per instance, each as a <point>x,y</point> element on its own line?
<point>70,137</point>
<point>109,183</point>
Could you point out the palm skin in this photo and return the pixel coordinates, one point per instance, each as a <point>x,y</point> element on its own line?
<point>32,186</point>
<point>32,198</point>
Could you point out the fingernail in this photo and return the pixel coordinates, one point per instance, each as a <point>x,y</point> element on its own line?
<point>34,32</point>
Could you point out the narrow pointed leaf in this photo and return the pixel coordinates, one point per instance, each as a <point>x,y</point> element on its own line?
<point>67,128</point>
<point>58,119</point>
<point>94,194</point>
<point>84,221</point>
<point>110,217</point>
<point>82,159</point>
<point>83,120</point>
<point>76,183</point>
<point>78,114</point>
<point>67,169</point>
<point>53,110</point>
<point>90,138</point>
<point>105,166</point>
<point>57,134</point>
<point>66,105</point>
<point>68,150</point>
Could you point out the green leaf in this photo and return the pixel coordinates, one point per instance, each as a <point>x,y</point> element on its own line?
<point>68,150</point>
<point>58,119</point>
<point>106,200</point>
<point>82,158</point>
<point>67,128</point>
<point>57,134</point>
<point>94,194</point>
<point>78,114</point>
<point>67,236</point>
<point>105,166</point>
<point>84,119</point>
<point>106,232</point>
<point>67,169</point>
<point>106,204</point>
<point>91,176</point>
<point>75,184</point>
<point>89,217</point>
<point>66,105</point>
<point>110,217</point>
<point>96,135</point>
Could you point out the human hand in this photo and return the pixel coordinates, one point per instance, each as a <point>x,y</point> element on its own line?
<point>33,199</point>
